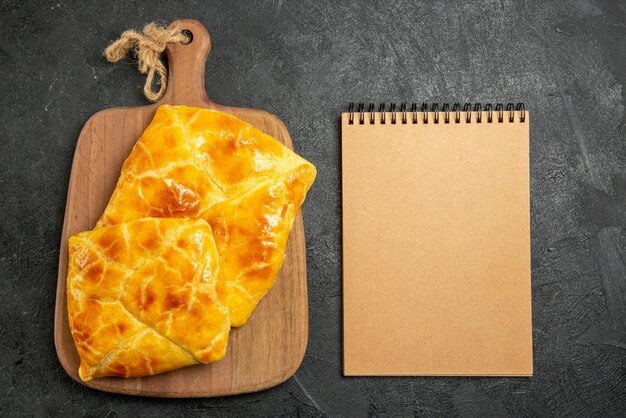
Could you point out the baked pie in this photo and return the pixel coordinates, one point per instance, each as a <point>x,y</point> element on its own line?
<point>145,297</point>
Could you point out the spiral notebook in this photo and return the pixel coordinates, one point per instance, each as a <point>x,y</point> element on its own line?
<point>436,240</point>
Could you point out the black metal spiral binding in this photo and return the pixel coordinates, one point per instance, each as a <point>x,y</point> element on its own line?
<point>476,110</point>
<point>520,108</point>
<point>500,112</point>
<point>425,112</point>
<point>351,111</point>
<point>488,109</point>
<point>457,110</point>
<point>509,108</point>
<point>446,111</point>
<point>467,107</point>
<point>435,109</point>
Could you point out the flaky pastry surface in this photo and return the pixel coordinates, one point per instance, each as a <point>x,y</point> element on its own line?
<point>145,297</point>
<point>200,163</point>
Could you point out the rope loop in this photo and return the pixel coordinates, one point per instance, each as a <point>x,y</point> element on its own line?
<point>147,47</point>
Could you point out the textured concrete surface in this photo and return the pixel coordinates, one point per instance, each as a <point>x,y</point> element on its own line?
<point>304,61</point>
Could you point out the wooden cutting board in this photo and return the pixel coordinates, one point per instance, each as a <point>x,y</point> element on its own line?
<point>270,347</point>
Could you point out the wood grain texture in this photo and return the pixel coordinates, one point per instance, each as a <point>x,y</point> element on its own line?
<point>270,347</point>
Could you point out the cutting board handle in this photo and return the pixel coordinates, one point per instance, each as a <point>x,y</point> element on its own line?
<point>185,79</point>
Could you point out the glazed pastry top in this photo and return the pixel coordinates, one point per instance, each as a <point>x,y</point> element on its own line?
<point>146,297</point>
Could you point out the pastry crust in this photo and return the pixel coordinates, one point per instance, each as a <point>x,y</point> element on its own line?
<point>145,297</point>
<point>200,163</point>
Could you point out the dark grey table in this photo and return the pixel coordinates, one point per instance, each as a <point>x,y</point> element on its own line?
<point>304,61</point>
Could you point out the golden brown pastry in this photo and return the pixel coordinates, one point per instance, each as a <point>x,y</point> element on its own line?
<point>193,162</point>
<point>145,297</point>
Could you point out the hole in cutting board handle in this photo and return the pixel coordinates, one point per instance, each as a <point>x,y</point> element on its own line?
<point>189,34</point>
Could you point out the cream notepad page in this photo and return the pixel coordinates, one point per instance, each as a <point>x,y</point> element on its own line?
<point>436,246</point>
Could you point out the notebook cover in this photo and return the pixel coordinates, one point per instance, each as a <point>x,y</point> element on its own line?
<point>436,247</point>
